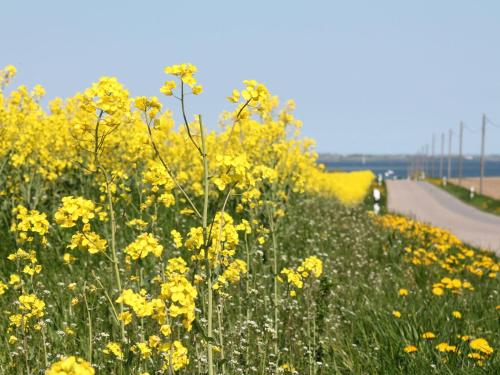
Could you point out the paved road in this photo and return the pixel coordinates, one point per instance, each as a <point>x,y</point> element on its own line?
<point>430,204</point>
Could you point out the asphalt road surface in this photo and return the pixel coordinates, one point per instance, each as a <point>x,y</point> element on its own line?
<point>428,203</point>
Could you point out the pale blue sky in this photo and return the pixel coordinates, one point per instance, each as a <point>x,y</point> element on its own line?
<point>367,76</point>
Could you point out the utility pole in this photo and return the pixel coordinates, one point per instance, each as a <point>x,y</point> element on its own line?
<point>450,136</point>
<point>423,161</point>
<point>433,161</point>
<point>460,156</point>
<point>414,165</point>
<point>420,164</point>
<point>417,164</point>
<point>426,165</point>
<point>483,135</point>
<point>441,164</point>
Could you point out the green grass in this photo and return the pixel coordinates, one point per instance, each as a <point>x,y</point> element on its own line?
<point>344,321</point>
<point>479,201</point>
<point>364,271</point>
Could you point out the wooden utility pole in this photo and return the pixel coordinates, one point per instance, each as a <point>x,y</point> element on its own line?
<point>414,164</point>
<point>441,163</point>
<point>417,164</point>
<point>460,154</point>
<point>450,136</point>
<point>422,161</point>
<point>426,163</point>
<point>433,151</point>
<point>483,135</point>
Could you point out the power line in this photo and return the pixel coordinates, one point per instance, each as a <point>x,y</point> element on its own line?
<point>481,161</point>
<point>472,130</point>
<point>492,123</point>
<point>426,162</point>
<point>460,153</point>
<point>450,137</point>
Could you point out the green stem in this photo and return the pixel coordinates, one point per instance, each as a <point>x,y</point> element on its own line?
<point>309,337</point>
<point>206,246</point>
<point>170,172</point>
<point>115,315</point>
<point>45,360</point>
<point>25,346</point>
<point>275,285</point>
<point>247,287</point>
<point>112,216</point>
<point>113,251</point>
<point>89,358</point>
<point>221,339</point>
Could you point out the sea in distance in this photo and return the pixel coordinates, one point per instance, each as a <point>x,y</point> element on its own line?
<point>398,167</point>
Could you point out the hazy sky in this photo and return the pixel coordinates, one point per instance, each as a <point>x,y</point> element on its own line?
<point>367,76</point>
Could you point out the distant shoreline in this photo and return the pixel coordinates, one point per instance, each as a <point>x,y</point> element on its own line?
<point>397,167</point>
<point>327,157</point>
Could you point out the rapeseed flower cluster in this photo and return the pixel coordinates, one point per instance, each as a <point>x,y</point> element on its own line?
<point>231,275</point>
<point>177,225</point>
<point>75,210</point>
<point>29,311</point>
<point>79,212</point>
<point>179,292</point>
<point>145,244</point>
<point>29,223</point>
<point>71,366</point>
<point>311,267</point>
<point>350,188</point>
<point>141,306</point>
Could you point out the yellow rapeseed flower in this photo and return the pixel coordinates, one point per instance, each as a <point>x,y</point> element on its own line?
<point>143,245</point>
<point>113,348</point>
<point>71,366</point>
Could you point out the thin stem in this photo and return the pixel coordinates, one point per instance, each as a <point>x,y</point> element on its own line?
<point>115,315</point>
<point>309,338</point>
<point>96,138</point>
<point>113,250</point>
<point>170,173</point>
<point>223,208</point>
<point>112,217</point>
<point>206,246</point>
<point>220,309</point>
<point>25,346</point>
<point>186,124</point>
<point>89,324</point>
<point>275,285</point>
<point>45,360</point>
<point>314,339</point>
<point>247,290</point>
<point>236,119</point>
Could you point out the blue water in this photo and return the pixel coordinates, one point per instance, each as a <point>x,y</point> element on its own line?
<point>400,167</point>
